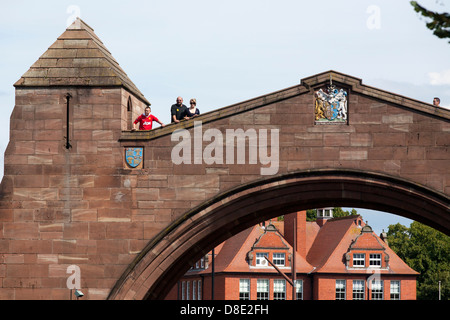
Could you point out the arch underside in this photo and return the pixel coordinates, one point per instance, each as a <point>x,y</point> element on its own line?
<point>169,255</point>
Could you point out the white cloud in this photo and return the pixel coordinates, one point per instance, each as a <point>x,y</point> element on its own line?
<point>439,78</point>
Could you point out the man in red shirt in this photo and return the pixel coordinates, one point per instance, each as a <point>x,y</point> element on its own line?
<point>146,120</point>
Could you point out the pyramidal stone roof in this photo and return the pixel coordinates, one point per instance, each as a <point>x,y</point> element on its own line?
<point>78,58</point>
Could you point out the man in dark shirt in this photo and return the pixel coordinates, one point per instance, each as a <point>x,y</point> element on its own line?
<point>178,111</point>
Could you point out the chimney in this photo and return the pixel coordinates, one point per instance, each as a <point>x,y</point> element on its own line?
<point>289,229</point>
<point>383,237</point>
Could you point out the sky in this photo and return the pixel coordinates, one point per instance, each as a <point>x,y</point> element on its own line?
<point>225,52</point>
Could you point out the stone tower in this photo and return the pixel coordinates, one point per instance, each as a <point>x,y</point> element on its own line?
<point>62,192</point>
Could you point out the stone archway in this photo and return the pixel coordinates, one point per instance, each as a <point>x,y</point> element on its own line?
<point>168,256</point>
<point>88,205</point>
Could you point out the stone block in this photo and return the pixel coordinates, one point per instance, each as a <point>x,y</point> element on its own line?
<point>20,230</point>
<point>353,154</point>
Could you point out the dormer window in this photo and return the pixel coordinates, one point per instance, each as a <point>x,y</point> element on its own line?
<point>375,260</point>
<point>261,260</point>
<point>200,264</point>
<point>279,259</point>
<point>359,260</point>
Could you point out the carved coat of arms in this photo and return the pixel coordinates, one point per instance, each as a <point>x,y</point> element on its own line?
<point>330,105</point>
<point>134,156</point>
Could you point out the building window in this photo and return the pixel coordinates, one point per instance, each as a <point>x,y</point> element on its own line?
<point>188,290</point>
<point>200,264</point>
<point>299,289</point>
<point>325,213</point>
<point>129,104</point>
<point>194,290</point>
<point>340,289</point>
<point>262,289</point>
<point>278,259</point>
<point>358,289</point>
<point>260,260</point>
<point>359,260</point>
<point>199,290</point>
<point>377,290</point>
<point>129,113</point>
<point>395,290</point>
<point>279,289</point>
<point>183,291</point>
<point>244,289</point>
<point>375,260</point>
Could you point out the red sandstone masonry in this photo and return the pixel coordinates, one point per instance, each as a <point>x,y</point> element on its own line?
<point>83,206</point>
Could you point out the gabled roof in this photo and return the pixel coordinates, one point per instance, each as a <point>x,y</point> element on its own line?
<point>326,254</point>
<point>367,240</point>
<point>270,239</point>
<point>232,256</point>
<point>78,58</point>
<point>331,242</point>
<point>339,235</point>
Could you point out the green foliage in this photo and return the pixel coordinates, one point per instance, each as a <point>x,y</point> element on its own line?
<point>440,22</point>
<point>311,214</point>
<point>338,212</point>
<point>427,251</point>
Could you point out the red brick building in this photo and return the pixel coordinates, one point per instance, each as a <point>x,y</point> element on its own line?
<point>336,259</point>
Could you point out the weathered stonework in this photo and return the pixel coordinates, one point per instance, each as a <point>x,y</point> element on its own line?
<point>132,231</point>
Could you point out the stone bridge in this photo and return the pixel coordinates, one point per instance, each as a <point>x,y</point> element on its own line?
<point>72,196</point>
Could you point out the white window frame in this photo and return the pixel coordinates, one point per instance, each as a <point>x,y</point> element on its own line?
<point>340,290</point>
<point>358,290</point>
<point>279,289</point>
<point>377,289</point>
<point>279,259</point>
<point>183,290</point>
<point>188,290</point>
<point>359,260</point>
<point>395,290</point>
<point>262,289</point>
<point>375,260</point>
<point>244,289</point>
<point>260,260</point>
<point>299,289</point>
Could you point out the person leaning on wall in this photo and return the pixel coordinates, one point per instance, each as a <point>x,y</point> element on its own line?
<point>192,111</point>
<point>178,111</point>
<point>145,120</point>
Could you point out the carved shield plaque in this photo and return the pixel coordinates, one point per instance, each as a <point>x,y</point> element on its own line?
<point>134,156</point>
<point>331,105</point>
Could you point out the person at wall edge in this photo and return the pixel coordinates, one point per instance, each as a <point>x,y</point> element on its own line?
<point>145,120</point>
<point>178,111</point>
<point>436,101</point>
<point>193,111</point>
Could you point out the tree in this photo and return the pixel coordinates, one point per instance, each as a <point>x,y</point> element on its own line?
<point>440,22</point>
<point>339,212</point>
<point>427,251</point>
